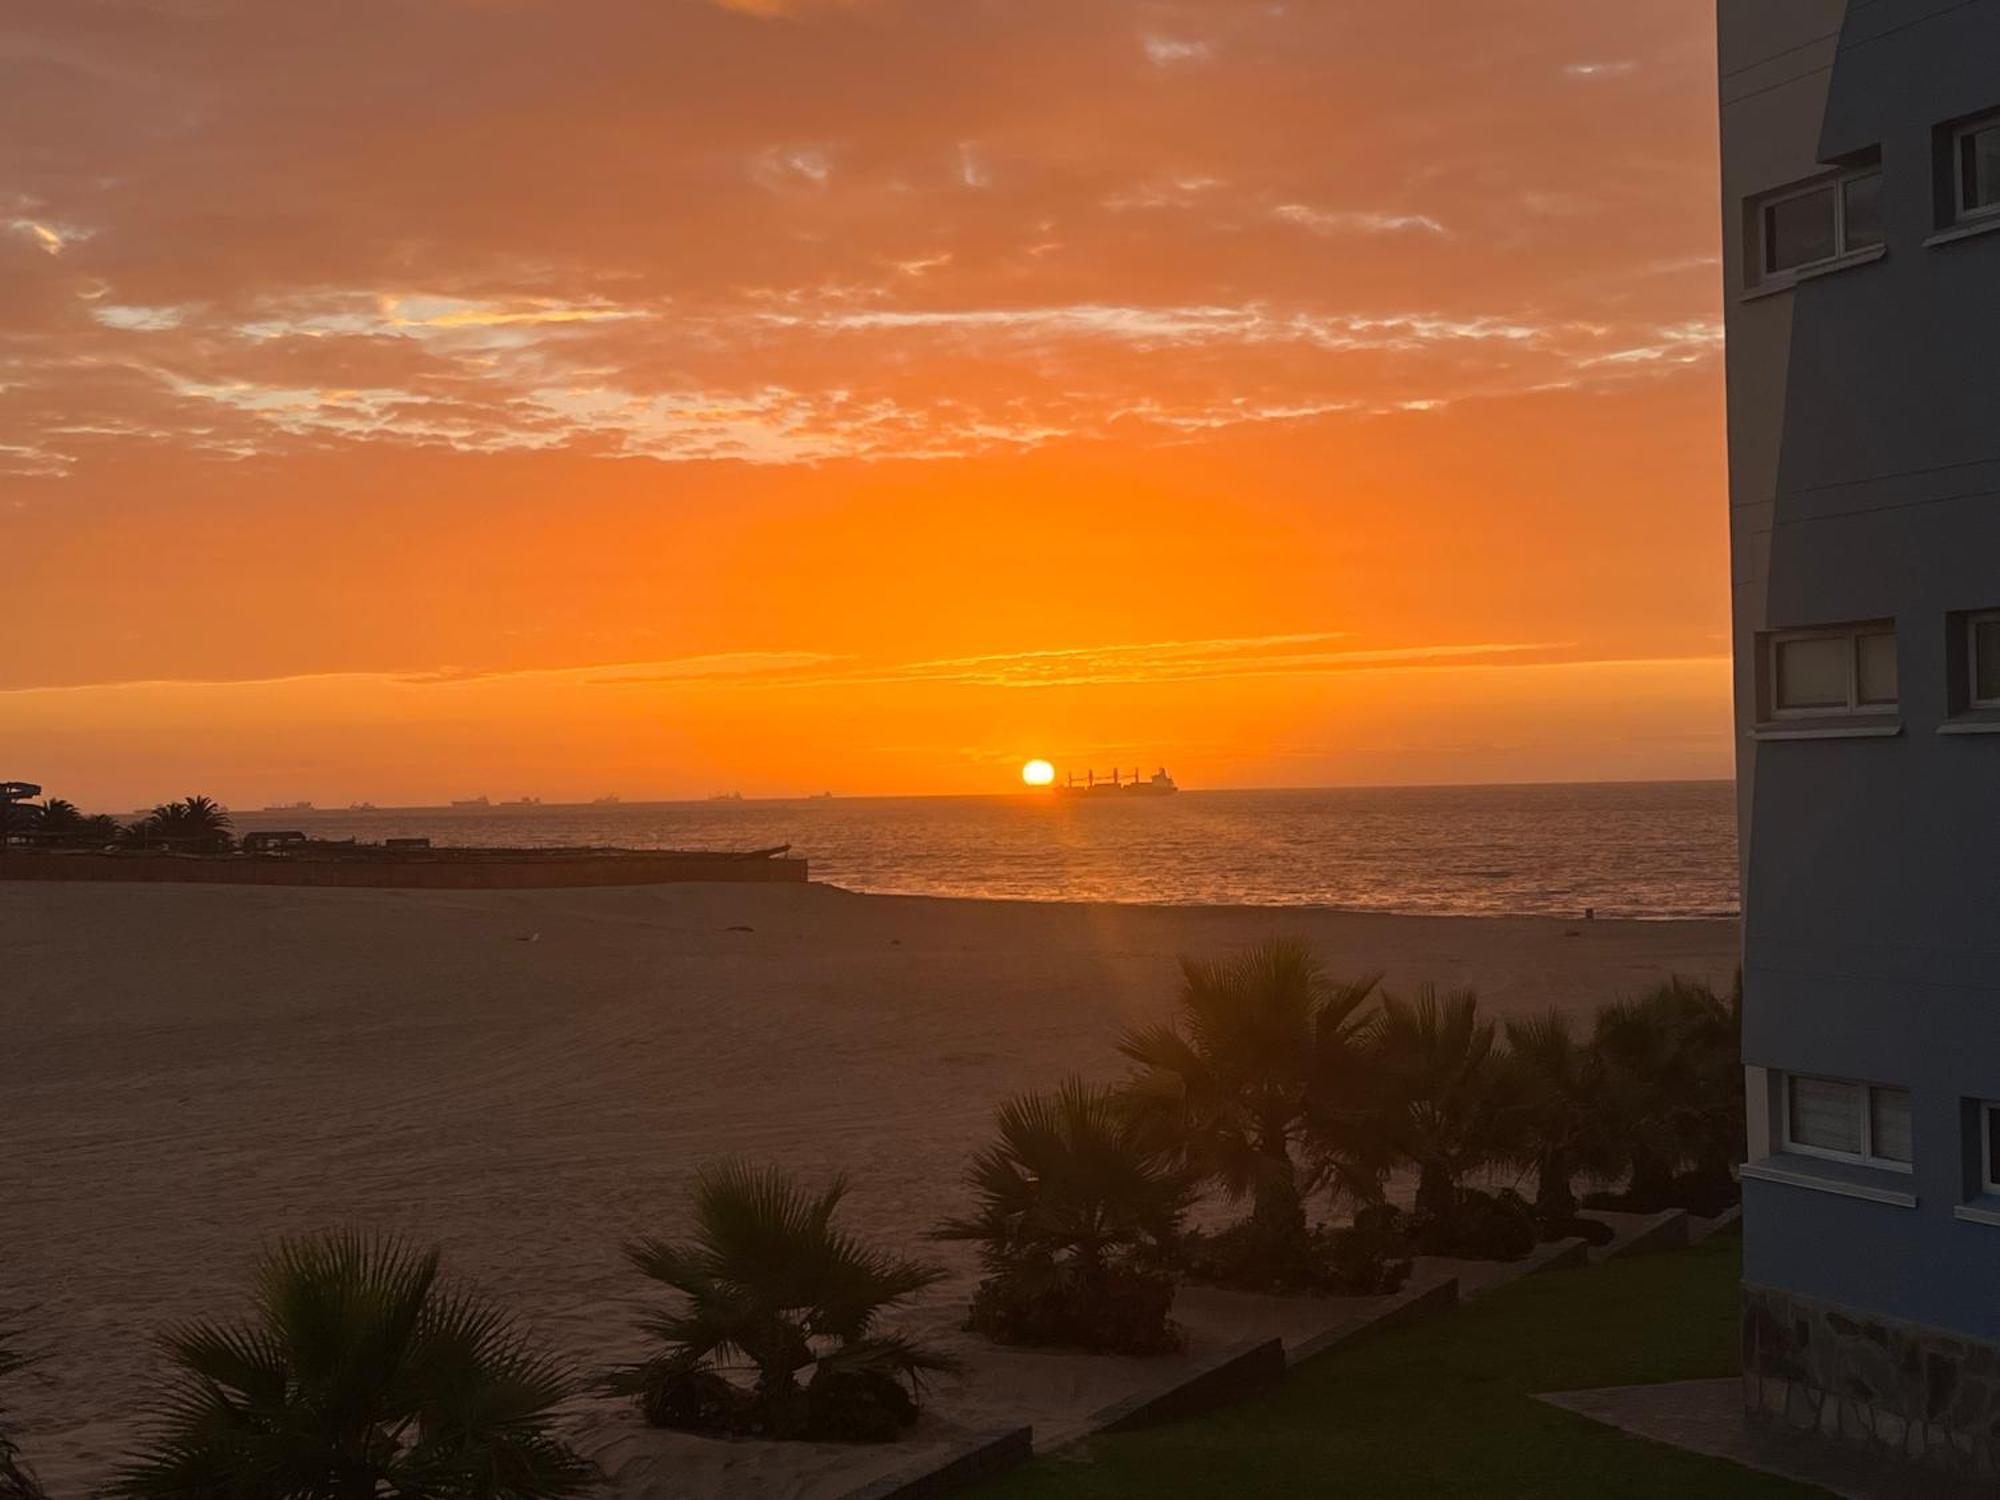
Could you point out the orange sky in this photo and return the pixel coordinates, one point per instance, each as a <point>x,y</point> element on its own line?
<point>412,399</point>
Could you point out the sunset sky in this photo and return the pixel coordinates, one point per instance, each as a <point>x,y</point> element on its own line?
<point>413,399</point>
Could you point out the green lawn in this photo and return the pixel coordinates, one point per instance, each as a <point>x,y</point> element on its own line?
<point>1445,1407</point>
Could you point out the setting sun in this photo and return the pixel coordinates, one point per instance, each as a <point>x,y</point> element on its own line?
<point>1038,773</point>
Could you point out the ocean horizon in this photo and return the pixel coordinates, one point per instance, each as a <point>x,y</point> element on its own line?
<point>1647,850</point>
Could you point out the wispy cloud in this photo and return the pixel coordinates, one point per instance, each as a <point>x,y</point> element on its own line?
<point>1313,653</point>
<point>1352,221</point>
<point>1169,51</point>
<point>48,237</point>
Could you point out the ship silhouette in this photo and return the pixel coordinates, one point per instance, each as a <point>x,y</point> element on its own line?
<point>1159,784</point>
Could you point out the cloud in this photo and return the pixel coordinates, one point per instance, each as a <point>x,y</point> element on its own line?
<point>50,239</point>
<point>1117,664</point>
<point>1346,221</point>
<point>1170,52</point>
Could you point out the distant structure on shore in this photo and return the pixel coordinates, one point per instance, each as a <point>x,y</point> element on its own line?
<point>1159,784</point>
<point>1861,195</point>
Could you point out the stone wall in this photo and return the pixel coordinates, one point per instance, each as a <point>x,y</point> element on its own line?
<point>1919,1393</point>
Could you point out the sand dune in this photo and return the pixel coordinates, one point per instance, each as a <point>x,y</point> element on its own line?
<point>529,1077</point>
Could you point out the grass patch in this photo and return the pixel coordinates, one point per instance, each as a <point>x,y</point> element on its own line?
<point>1446,1407</point>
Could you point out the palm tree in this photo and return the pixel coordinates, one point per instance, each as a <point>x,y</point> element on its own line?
<point>1673,1058</point>
<point>1558,1110</point>
<point>60,817</point>
<point>1078,1212</point>
<point>197,823</point>
<point>360,1377</point>
<point>1263,1047</point>
<point>17,1482</point>
<point>1436,1066</point>
<point>768,1278</point>
<point>98,828</point>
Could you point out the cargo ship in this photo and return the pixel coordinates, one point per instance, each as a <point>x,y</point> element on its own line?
<point>1159,784</point>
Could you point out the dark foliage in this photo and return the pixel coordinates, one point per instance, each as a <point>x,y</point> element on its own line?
<point>867,1405</point>
<point>1368,1259</point>
<point>1437,1076</point>
<point>1478,1226</point>
<point>359,1377</point>
<point>769,1286</point>
<point>1674,1074</point>
<point>1120,1310</point>
<point>1078,1213</point>
<point>194,825</point>
<point>1256,1084</point>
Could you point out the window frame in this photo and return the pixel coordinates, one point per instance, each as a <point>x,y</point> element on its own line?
<point>1865,1092</point>
<point>1973,621</point>
<point>1987,1109</point>
<point>1854,707</point>
<point>1843,253</point>
<point>1962,211</point>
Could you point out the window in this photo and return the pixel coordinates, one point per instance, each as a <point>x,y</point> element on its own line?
<point>1982,648</point>
<point>1976,168</point>
<point>1849,669</point>
<point>1989,1148</point>
<point>1820,224</point>
<point>1858,1122</point>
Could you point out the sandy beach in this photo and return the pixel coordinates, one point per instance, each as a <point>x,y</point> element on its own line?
<point>528,1078</point>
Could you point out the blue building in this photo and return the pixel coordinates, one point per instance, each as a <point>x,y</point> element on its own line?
<point>1861,213</point>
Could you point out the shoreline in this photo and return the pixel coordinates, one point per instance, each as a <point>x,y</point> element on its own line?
<point>1314,907</point>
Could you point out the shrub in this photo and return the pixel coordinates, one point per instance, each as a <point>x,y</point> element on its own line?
<point>1122,1310</point>
<point>1367,1259</point>
<point>1479,1226</point>
<point>771,1281</point>
<point>1077,1217</point>
<point>358,1375</point>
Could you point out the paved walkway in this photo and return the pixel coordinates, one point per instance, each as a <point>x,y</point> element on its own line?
<point>1706,1416</point>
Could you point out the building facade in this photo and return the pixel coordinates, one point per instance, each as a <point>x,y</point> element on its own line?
<point>1861,215</point>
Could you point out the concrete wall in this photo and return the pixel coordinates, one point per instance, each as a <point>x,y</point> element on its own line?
<point>1864,411</point>
<point>484,874</point>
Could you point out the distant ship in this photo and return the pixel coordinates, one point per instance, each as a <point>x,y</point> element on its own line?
<point>523,802</point>
<point>361,807</point>
<point>290,807</point>
<point>726,797</point>
<point>610,799</point>
<point>1159,784</point>
<point>472,802</point>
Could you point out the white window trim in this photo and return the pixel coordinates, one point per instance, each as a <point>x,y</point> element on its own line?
<point>1969,213</point>
<point>1854,707</point>
<point>1867,1158</point>
<point>1843,253</point>
<point>1972,624</point>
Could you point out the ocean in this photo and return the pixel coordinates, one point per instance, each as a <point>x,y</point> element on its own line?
<point>1654,850</point>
